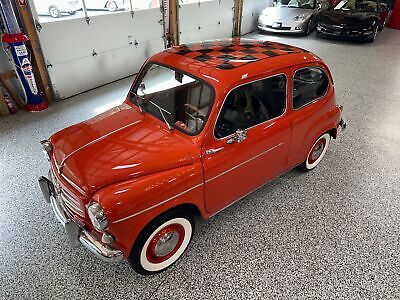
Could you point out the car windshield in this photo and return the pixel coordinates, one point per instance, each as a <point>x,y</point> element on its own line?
<point>357,5</point>
<point>179,100</point>
<point>307,4</point>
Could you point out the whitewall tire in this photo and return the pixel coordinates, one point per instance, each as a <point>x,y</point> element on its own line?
<point>162,243</point>
<point>317,152</point>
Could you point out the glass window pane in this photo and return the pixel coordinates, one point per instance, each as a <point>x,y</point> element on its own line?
<point>180,100</point>
<point>55,10</point>
<point>252,104</point>
<point>309,84</point>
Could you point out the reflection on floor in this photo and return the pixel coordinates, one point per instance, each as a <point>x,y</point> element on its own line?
<point>332,232</point>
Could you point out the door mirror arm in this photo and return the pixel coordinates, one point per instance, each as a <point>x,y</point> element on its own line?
<point>239,136</point>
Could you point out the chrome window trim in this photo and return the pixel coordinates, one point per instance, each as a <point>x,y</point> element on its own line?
<point>226,96</point>
<point>159,203</point>
<point>316,99</point>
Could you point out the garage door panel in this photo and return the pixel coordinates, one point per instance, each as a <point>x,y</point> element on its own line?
<point>111,47</point>
<point>209,20</point>
<point>79,75</point>
<point>251,11</point>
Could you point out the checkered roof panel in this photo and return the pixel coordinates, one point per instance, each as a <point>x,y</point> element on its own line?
<point>231,53</point>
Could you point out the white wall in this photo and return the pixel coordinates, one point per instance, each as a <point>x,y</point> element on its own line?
<point>251,11</point>
<point>68,47</point>
<point>206,20</point>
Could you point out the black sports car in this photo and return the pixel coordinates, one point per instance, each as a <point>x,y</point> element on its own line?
<point>353,19</point>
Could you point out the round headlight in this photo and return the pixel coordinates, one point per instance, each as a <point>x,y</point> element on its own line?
<point>97,216</point>
<point>47,147</point>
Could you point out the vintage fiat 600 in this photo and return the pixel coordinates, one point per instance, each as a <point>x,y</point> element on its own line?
<point>203,125</point>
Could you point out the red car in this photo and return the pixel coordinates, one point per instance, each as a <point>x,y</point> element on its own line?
<point>202,126</point>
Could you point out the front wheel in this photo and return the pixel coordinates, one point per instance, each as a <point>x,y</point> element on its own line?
<point>111,6</point>
<point>54,12</point>
<point>309,27</point>
<point>162,242</point>
<point>372,39</point>
<point>317,152</point>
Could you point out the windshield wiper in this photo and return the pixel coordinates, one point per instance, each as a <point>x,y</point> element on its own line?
<point>140,100</point>
<point>162,110</point>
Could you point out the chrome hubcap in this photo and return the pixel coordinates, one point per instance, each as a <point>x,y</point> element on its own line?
<point>317,151</point>
<point>166,244</point>
<point>53,12</point>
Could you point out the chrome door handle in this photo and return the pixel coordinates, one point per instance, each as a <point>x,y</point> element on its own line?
<point>212,151</point>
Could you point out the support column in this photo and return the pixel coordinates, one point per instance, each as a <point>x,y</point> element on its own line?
<point>395,19</point>
<point>173,22</point>
<point>30,30</point>
<point>237,18</point>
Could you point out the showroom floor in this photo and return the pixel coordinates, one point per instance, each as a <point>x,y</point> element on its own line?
<point>330,233</point>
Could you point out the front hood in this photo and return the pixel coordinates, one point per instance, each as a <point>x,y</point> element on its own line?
<point>348,18</point>
<point>284,14</point>
<point>117,145</point>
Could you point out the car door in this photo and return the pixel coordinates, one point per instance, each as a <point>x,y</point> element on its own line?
<point>310,91</point>
<point>249,143</point>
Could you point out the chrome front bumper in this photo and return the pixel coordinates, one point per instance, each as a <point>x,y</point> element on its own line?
<point>76,234</point>
<point>278,30</point>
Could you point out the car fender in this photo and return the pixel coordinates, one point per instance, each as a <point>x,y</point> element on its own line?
<point>132,204</point>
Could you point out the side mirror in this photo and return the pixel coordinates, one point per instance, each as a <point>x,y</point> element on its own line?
<point>239,136</point>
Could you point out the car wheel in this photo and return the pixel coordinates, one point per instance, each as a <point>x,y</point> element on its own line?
<point>71,13</point>
<point>54,12</point>
<point>317,152</point>
<point>372,39</point>
<point>111,6</point>
<point>162,242</point>
<point>309,27</point>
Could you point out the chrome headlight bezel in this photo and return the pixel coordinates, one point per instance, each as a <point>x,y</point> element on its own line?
<point>47,147</point>
<point>97,216</point>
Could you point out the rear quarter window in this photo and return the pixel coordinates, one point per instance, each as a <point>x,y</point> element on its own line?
<point>309,84</point>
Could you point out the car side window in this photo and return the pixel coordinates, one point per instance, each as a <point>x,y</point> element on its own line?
<point>252,104</point>
<point>309,84</point>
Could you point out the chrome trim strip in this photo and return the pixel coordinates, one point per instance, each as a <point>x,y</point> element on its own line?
<point>158,204</point>
<point>244,162</point>
<point>72,206</point>
<point>61,165</point>
<point>80,190</point>
<point>245,195</point>
<point>227,94</point>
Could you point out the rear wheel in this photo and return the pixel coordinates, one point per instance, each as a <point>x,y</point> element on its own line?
<point>111,6</point>
<point>162,242</point>
<point>71,13</point>
<point>54,12</point>
<point>317,152</point>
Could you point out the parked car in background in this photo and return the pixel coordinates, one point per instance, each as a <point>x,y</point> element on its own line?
<point>292,16</point>
<point>55,8</point>
<point>353,20</point>
<point>188,141</point>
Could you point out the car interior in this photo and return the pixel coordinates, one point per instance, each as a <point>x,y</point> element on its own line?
<point>252,104</point>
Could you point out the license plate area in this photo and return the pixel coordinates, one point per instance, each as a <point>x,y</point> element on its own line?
<point>277,24</point>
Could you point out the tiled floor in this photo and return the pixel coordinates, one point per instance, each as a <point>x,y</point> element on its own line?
<point>330,233</point>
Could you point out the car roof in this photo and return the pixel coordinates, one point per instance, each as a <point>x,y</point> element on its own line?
<point>231,59</point>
